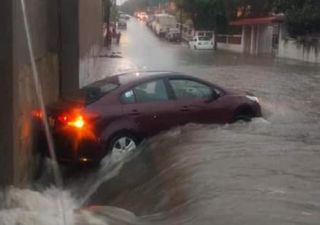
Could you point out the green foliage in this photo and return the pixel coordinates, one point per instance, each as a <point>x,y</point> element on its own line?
<point>131,6</point>
<point>302,16</point>
<point>205,14</point>
<point>253,8</point>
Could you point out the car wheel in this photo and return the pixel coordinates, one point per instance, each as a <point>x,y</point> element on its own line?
<point>122,144</point>
<point>244,115</point>
<point>242,118</point>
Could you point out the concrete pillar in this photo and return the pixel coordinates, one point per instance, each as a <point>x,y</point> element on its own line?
<point>243,38</point>
<point>69,47</point>
<point>6,93</point>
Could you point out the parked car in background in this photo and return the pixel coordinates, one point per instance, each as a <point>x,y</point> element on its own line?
<point>122,23</point>
<point>204,43</point>
<point>149,21</point>
<point>114,115</point>
<point>127,16</point>
<point>163,23</point>
<point>173,35</point>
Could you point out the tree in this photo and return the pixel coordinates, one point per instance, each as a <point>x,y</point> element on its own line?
<point>252,8</point>
<point>131,6</point>
<point>302,16</point>
<point>205,14</point>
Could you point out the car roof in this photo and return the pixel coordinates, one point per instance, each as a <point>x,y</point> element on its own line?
<point>131,77</point>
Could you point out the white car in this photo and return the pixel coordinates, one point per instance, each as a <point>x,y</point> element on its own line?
<point>205,43</point>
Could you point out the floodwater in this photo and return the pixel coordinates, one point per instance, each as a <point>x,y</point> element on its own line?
<point>264,172</point>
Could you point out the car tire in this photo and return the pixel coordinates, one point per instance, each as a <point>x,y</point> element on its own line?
<point>242,118</point>
<point>244,115</point>
<point>122,143</point>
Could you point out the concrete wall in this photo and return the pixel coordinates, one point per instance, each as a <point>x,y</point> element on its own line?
<point>81,41</point>
<point>289,48</point>
<point>226,45</point>
<point>69,47</point>
<point>265,33</point>
<point>16,87</point>
<point>90,36</point>
<point>44,39</point>
<point>6,95</point>
<point>230,47</point>
<point>62,40</point>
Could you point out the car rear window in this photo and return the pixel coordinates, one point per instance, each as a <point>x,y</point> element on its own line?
<point>94,93</point>
<point>204,38</point>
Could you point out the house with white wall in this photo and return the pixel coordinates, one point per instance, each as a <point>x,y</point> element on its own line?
<point>293,49</point>
<point>268,36</point>
<point>258,36</point>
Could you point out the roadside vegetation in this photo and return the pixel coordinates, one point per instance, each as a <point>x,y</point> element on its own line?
<point>302,17</point>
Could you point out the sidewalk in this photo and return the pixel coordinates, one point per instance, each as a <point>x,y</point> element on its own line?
<point>107,63</point>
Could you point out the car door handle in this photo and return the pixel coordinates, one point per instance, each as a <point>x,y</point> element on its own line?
<point>134,113</point>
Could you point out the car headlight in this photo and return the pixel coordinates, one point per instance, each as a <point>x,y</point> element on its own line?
<point>253,98</point>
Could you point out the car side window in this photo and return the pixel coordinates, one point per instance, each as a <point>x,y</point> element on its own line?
<point>154,91</point>
<point>189,89</point>
<point>128,97</point>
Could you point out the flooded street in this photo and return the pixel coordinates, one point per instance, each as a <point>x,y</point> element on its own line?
<point>264,172</point>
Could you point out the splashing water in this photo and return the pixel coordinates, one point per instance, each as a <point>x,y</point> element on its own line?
<point>35,76</point>
<point>30,207</point>
<point>38,88</point>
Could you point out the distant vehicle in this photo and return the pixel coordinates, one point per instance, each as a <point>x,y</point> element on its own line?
<point>173,35</point>
<point>149,21</point>
<point>122,24</point>
<point>163,23</point>
<point>204,33</point>
<point>203,43</point>
<point>122,16</point>
<point>143,16</point>
<point>114,115</point>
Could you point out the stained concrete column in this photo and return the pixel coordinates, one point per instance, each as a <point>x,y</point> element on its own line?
<point>69,46</point>
<point>6,93</point>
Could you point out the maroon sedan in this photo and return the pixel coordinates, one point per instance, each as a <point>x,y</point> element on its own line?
<point>113,115</point>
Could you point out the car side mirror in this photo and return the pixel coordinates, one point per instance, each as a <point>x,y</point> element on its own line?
<point>214,96</point>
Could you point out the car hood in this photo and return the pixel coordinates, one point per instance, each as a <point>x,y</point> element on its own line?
<point>234,91</point>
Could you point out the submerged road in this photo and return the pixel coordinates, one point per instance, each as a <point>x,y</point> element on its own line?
<point>265,172</point>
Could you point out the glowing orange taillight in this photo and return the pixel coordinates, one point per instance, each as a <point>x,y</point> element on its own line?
<point>76,121</point>
<point>37,113</point>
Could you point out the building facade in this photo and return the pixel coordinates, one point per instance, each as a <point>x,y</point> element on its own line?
<point>61,41</point>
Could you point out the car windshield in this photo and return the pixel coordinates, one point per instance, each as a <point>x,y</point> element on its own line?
<point>204,38</point>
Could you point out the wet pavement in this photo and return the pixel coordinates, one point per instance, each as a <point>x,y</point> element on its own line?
<point>264,172</point>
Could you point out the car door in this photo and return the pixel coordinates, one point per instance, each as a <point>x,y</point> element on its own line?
<point>196,101</point>
<point>150,107</point>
